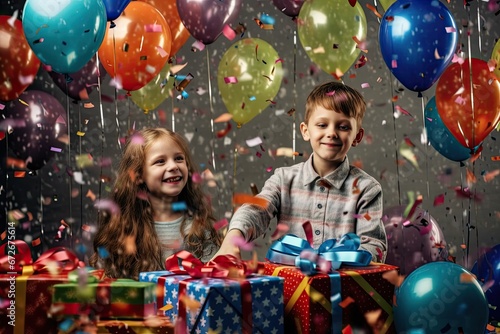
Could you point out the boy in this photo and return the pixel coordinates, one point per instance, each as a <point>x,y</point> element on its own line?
<point>333,196</point>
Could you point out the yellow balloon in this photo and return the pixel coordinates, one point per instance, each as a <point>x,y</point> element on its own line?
<point>386,3</point>
<point>495,55</point>
<point>155,92</point>
<point>328,30</point>
<point>249,77</point>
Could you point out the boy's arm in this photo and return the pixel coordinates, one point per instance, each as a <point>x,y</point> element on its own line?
<point>250,221</point>
<point>372,231</point>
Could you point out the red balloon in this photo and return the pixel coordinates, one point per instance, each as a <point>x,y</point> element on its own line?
<point>38,126</point>
<point>135,50</point>
<point>18,65</point>
<point>469,117</point>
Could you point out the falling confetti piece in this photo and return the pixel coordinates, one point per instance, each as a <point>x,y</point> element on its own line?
<point>240,199</point>
<point>346,302</point>
<point>231,80</point>
<point>153,28</point>
<point>226,117</point>
<point>197,45</point>
<point>439,199</point>
<point>228,32</point>
<point>254,141</point>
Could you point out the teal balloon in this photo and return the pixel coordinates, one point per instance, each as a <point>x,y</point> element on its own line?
<point>440,297</point>
<point>440,137</point>
<point>64,34</point>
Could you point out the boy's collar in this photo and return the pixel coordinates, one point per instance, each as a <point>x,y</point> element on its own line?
<point>335,178</point>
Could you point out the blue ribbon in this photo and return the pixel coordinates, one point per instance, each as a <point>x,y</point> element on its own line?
<point>345,251</point>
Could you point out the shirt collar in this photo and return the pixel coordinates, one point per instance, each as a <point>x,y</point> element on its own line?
<point>335,178</point>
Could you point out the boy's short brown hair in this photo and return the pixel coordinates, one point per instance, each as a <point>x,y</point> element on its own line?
<point>337,97</point>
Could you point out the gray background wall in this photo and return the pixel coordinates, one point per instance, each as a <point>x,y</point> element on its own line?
<point>51,194</point>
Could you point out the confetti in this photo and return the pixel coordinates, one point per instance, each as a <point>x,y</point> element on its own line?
<point>226,117</point>
<point>231,80</point>
<point>439,199</point>
<point>229,33</point>
<point>240,199</point>
<point>254,141</point>
<point>153,28</point>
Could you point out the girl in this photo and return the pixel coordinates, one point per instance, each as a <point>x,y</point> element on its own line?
<point>159,208</point>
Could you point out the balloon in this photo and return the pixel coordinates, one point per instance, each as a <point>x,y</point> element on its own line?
<point>487,271</point>
<point>469,119</point>
<point>327,30</point>
<point>495,55</point>
<point>168,8</point>
<point>440,137</point>
<point>289,7</point>
<point>412,242</point>
<point>64,34</point>
<point>114,8</point>
<point>37,125</point>
<point>418,40</point>
<point>78,85</point>
<point>386,3</point>
<point>18,65</point>
<point>155,92</point>
<point>440,297</point>
<point>253,70</point>
<point>205,19</point>
<point>137,48</point>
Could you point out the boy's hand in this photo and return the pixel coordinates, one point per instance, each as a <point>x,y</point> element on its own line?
<point>228,247</point>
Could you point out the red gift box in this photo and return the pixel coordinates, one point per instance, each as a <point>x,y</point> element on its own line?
<point>26,287</point>
<point>311,306</point>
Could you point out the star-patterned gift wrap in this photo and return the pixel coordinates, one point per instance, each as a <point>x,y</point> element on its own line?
<point>338,301</point>
<point>110,299</point>
<point>250,305</point>
<point>26,287</point>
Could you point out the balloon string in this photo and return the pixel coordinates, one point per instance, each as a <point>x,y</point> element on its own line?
<point>173,113</point>
<point>211,111</point>
<point>68,127</point>
<point>294,149</point>
<point>101,111</point>
<point>116,92</point>
<point>426,147</point>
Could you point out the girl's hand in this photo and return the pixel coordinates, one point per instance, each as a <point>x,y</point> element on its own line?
<point>228,247</point>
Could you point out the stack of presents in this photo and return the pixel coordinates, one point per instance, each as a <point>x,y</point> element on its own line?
<point>298,289</point>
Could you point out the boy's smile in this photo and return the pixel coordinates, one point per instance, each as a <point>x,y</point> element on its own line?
<point>331,135</point>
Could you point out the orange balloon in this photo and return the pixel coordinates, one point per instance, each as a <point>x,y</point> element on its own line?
<point>168,8</point>
<point>469,117</point>
<point>19,64</point>
<point>135,50</point>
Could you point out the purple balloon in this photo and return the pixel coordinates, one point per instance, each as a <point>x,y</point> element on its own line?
<point>114,8</point>
<point>78,85</point>
<point>289,7</point>
<point>413,242</point>
<point>36,127</point>
<point>205,19</point>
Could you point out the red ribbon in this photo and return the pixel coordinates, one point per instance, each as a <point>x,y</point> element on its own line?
<point>65,259</point>
<point>223,266</point>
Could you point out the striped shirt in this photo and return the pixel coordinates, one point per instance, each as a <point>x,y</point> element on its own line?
<point>169,234</point>
<point>346,200</point>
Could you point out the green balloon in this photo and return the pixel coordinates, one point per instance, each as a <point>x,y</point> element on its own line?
<point>326,31</point>
<point>386,3</point>
<point>249,77</point>
<point>155,92</point>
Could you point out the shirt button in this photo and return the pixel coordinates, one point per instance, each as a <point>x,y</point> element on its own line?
<point>317,232</point>
<point>320,206</point>
<point>322,188</point>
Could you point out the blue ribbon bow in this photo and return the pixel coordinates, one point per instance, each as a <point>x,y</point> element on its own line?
<point>345,251</point>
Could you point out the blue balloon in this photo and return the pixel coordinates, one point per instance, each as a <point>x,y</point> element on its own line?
<point>418,39</point>
<point>487,271</point>
<point>114,8</point>
<point>440,137</point>
<point>440,297</point>
<point>64,34</point>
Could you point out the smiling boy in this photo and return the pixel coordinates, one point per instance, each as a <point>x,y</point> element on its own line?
<point>335,197</point>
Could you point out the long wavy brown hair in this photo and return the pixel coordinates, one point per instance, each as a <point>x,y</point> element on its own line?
<point>126,242</point>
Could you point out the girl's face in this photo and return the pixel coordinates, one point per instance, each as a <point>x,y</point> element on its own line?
<point>165,170</point>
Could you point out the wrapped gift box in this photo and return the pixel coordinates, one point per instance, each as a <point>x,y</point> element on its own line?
<point>118,299</point>
<point>250,305</point>
<point>135,327</point>
<point>336,302</point>
<point>26,287</point>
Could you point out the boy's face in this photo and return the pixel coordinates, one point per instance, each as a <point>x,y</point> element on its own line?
<point>331,135</point>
